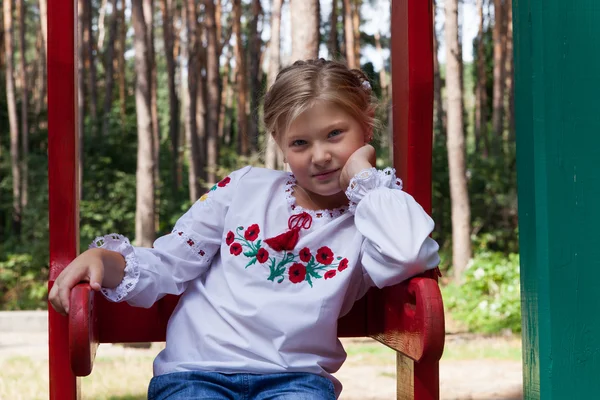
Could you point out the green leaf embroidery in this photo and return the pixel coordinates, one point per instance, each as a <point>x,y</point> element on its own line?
<point>251,262</point>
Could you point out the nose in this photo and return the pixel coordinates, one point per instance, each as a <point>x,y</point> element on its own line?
<point>321,155</point>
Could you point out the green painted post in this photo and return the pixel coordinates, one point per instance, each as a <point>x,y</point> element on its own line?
<point>557,103</point>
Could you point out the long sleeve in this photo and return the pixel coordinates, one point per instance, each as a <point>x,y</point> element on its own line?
<point>176,258</point>
<point>396,229</point>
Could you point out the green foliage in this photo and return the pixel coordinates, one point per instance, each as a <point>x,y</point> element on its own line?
<point>20,284</point>
<point>489,299</point>
<point>109,186</point>
<point>24,260</point>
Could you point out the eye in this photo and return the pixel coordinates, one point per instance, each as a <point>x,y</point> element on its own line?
<point>298,142</point>
<point>334,133</point>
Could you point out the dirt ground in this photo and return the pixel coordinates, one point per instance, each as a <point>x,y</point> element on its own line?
<point>475,379</point>
<point>368,374</point>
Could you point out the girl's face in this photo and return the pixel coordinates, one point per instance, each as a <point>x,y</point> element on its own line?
<point>317,146</point>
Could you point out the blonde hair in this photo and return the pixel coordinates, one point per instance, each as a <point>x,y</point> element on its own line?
<point>300,85</point>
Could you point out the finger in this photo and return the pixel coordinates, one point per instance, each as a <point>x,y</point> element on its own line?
<point>96,276</point>
<point>70,279</point>
<point>55,300</point>
<point>64,292</point>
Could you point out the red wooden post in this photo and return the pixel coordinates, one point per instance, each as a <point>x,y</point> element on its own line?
<point>62,181</point>
<point>412,88</point>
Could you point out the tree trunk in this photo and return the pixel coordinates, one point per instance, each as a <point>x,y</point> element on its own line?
<point>349,35</point>
<point>481,134</point>
<point>499,67</point>
<point>12,116</point>
<point>180,54</point>
<point>254,44</point>
<point>2,48</point>
<point>333,44</point>
<point>148,7</point>
<point>461,244</point>
<point>224,91</point>
<point>173,100</point>
<point>191,131</point>
<point>144,210</point>
<point>101,29</point>
<point>43,72</point>
<point>240,66</point>
<point>121,59</point>
<point>201,94</point>
<point>356,29</point>
<point>218,26</point>
<point>39,84</point>
<point>228,122</point>
<point>149,20</point>
<point>80,91</point>
<point>510,79</point>
<point>274,67</point>
<point>24,107</point>
<point>440,119</point>
<point>89,45</point>
<point>213,90</point>
<point>305,29</point>
<point>108,67</point>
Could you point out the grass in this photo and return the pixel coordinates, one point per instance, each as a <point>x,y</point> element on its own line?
<point>124,373</point>
<point>495,348</point>
<point>468,347</point>
<point>122,377</point>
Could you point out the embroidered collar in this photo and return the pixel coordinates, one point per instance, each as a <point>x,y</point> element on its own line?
<point>318,215</point>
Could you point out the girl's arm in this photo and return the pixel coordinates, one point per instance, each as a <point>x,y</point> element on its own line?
<point>397,245</point>
<point>177,258</point>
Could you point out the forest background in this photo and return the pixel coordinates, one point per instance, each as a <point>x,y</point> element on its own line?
<point>179,83</point>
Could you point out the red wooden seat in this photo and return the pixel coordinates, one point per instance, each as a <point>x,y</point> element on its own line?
<point>408,317</point>
<point>412,322</point>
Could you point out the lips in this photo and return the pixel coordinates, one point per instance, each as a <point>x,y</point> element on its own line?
<point>325,174</point>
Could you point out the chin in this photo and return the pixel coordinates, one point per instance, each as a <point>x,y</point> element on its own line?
<point>326,191</point>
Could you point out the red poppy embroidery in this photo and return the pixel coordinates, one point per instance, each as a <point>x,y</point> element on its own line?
<point>252,232</point>
<point>230,237</point>
<point>224,182</point>
<point>235,249</point>
<point>298,267</point>
<point>190,242</point>
<point>180,233</point>
<point>343,265</point>
<point>202,253</point>
<point>324,255</point>
<point>262,255</point>
<point>305,254</point>
<point>297,273</point>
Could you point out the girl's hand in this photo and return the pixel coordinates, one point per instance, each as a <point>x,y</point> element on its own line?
<point>89,266</point>
<point>362,158</point>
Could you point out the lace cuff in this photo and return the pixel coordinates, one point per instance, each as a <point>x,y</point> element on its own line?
<point>369,179</point>
<point>120,244</point>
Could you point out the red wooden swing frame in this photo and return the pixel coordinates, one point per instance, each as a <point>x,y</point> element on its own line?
<point>408,317</point>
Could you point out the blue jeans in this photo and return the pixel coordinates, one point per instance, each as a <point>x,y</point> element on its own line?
<point>191,385</point>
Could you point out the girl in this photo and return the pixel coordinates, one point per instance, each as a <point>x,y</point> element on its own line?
<point>267,261</point>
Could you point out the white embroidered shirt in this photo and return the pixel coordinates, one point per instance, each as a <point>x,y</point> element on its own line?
<point>247,307</point>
